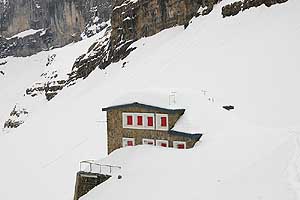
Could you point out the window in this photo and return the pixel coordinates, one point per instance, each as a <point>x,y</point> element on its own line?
<point>148,142</point>
<point>128,142</point>
<point>162,143</point>
<point>140,120</point>
<point>129,120</point>
<point>150,121</point>
<point>162,122</point>
<point>179,145</point>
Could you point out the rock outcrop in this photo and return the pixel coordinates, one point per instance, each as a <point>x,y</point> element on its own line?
<point>236,7</point>
<point>62,22</point>
<point>132,20</point>
<point>50,82</point>
<point>16,117</point>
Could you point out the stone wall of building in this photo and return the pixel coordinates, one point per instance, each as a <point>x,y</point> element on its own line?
<point>86,181</point>
<point>115,130</point>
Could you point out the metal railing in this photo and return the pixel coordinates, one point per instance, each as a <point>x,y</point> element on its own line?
<point>92,167</point>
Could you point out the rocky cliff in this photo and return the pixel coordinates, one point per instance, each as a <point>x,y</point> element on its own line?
<point>132,20</point>
<point>238,6</point>
<point>60,22</point>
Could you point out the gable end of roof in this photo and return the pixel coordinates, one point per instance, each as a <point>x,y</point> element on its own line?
<point>192,136</point>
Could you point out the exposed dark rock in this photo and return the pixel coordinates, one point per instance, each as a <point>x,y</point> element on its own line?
<point>236,7</point>
<point>26,46</point>
<point>50,83</point>
<point>131,21</point>
<point>62,21</point>
<point>232,9</point>
<point>50,60</point>
<point>12,124</point>
<point>3,63</point>
<point>16,117</point>
<point>50,89</point>
<point>228,107</point>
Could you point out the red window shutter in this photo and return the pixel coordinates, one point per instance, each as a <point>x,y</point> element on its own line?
<point>180,146</point>
<point>150,121</point>
<point>163,144</point>
<point>129,143</point>
<point>140,120</point>
<point>150,142</point>
<point>129,120</point>
<point>163,121</point>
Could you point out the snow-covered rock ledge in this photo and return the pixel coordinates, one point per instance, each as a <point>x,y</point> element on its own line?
<point>238,6</point>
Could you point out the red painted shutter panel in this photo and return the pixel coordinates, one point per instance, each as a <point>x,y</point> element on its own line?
<point>163,121</point>
<point>140,120</point>
<point>180,146</point>
<point>129,143</point>
<point>150,121</point>
<point>129,120</point>
<point>164,144</point>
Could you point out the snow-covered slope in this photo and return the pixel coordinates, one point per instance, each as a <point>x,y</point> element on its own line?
<point>249,61</point>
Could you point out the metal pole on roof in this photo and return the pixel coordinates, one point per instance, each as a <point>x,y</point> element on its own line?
<point>172,98</point>
<point>204,92</point>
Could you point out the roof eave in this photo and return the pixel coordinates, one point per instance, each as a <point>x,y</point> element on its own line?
<point>194,136</point>
<point>144,105</point>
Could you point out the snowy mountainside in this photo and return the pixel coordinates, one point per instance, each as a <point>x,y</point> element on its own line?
<point>24,80</point>
<point>250,153</point>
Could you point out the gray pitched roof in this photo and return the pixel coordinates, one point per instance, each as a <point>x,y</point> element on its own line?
<point>136,104</point>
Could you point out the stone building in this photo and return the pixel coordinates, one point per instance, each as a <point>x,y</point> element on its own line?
<point>137,124</point>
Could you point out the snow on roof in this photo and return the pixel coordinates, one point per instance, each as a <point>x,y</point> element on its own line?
<point>137,104</point>
<point>194,102</point>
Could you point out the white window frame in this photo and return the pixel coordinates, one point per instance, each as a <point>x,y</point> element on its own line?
<point>175,143</point>
<point>158,120</point>
<point>146,143</point>
<point>125,140</point>
<point>135,121</point>
<point>158,142</point>
<point>146,115</point>
<point>124,120</point>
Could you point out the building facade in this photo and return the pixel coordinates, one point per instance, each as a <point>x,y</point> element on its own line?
<point>140,124</point>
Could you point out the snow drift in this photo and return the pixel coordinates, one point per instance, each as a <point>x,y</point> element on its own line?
<point>249,61</point>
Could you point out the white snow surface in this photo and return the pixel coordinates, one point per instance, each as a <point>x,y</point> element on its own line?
<point>26,33</point>
<point>250,61</point>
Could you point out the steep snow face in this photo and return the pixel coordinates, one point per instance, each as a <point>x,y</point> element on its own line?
<point>250,153</point>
